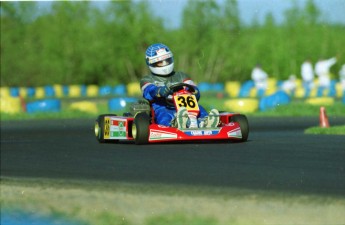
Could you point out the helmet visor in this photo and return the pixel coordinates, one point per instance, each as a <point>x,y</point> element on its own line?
<point>162,63</point>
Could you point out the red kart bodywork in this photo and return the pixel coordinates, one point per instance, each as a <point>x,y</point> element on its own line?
<point>143,129</point>
<point>120,128</point>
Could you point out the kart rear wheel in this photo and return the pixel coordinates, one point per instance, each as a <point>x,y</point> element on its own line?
<point>243,121</point>
<point>140,128</point>
<point>99,129</point>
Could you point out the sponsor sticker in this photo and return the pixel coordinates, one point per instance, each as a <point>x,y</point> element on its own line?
<point>118,129</point>
<point>201,132</point>
<point>106,128</point>
<point>160,57</point>
<point>236,133</point>
<point>162,126</point>
<point>161,135</point>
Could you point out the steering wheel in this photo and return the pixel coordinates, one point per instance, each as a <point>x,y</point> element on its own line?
<point>177,87</point>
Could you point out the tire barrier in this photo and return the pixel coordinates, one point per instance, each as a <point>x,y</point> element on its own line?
<point>217,87</point>
<point>83,90</point>
<point>211,87</point>
<point>74,91</point>
<point>30,92</point>
<point>233,89</point>
<point>5,92</point>
<point>242,105</point>
<point>58,90</point>
<point>204,87</point>
<point>274,100</point>
<point>14,92</point>
<point>92,91</point>
<point>84,106</point>
<point>133,89</point>
<point>272,86</point>
<point>320,101</point>
<point>39,93</point>
<point>120,90</point>
<point>105,90</point>
<point>45,105</point>
<point>245,88</point>
<point>116,104</point>
<point>23,92</point>
<point>49,91</point>
<point>10,105</point>
<point>300,92</point>
<point>339,90</point>
<point>65,90</point>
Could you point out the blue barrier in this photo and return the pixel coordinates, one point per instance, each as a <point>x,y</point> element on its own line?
<point>49,91</point>
<point>116,104</point>
<point>18,217</point>
<point>279,83</point>
<point>120,90</point>
<point>219,87</point>
<point>105,90</point>
<point>274,100</point>
<point>30,91</point>
<point>14,91</point>
<point>203,87</point>
<point>65,90</point>
<point>245,88</point>
<point>332,89</point>
<point>83,90</point>
<point>46,105</point>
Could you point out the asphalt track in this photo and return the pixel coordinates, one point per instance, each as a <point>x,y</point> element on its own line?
<point>277,156</point>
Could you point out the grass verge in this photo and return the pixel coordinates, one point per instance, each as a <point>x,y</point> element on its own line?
<point>334,130</point>
<point>156,204</point>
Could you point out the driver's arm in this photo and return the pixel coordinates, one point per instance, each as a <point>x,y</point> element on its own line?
<point>152,92</point>
<point>196,92</point>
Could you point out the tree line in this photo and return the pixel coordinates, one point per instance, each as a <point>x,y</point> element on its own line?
<point>79,43</point>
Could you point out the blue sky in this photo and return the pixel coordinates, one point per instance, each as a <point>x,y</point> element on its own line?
<point>332,10</point>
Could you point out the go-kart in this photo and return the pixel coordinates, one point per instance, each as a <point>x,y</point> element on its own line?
<point>139,124</point>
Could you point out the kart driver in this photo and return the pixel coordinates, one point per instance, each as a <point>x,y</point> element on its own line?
<point>155,89</point>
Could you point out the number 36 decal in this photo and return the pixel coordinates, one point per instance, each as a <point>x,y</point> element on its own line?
<point>188,101</point>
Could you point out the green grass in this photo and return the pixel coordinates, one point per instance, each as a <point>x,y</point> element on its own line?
<point>334,130</point>
<point>295,108</point>
<point>115,203</point>
<point>302,109</point>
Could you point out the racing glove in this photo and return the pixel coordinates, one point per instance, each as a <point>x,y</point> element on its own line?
<point>196,92</point>
<point>162,91</point>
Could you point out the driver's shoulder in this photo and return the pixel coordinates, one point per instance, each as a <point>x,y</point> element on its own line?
<point>179,75</point>
<point>147,78</point>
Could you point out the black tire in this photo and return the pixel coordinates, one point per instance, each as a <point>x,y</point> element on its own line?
<point>140,128</point>
<point>99,129</point>
<point>244,125</point>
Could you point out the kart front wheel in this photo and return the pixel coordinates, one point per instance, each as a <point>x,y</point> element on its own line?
<point>100,127</point>
<point>140,128</point>
<point>243,122</point>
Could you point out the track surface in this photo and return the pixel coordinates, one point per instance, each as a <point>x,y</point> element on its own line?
<point>277,156</point>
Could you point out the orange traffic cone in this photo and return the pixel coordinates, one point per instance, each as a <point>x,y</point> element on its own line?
<point>323,118</point>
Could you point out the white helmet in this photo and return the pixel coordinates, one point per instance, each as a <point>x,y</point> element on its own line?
<point>160,59</point>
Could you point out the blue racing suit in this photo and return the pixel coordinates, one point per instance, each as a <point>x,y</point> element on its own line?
<point>164,113</point>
